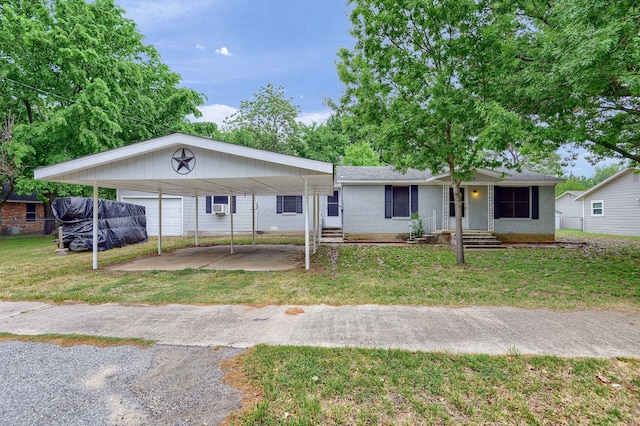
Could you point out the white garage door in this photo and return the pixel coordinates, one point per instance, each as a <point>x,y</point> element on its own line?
<point>171,214</point>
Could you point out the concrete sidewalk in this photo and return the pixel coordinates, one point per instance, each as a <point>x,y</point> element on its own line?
<point>490,330</point>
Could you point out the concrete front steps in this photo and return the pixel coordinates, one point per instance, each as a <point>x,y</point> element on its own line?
<point>331,235</point>
<point>478,240</point>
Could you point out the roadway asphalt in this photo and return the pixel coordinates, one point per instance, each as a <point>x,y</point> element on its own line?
<point>490,330</point>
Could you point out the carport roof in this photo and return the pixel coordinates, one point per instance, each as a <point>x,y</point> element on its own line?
<point>181,164</point>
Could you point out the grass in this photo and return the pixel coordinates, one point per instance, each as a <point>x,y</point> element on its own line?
<point>295,385</point>
<point>66,340</point>
<point>598,273</point>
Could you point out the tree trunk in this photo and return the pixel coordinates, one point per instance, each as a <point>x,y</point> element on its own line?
<point>457,198</point>
<point>49,226</point>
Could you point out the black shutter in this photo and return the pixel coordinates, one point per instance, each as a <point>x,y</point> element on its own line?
<point>414,198</point>
<point>388,202</point>
<point>208,203</point>
<point>233,201</point>
<point>496,204</point>
<point>299,204</point>
<point>535,202</point>
<point>279,204</point>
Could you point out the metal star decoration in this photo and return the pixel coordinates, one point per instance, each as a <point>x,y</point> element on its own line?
<point>181,161</point>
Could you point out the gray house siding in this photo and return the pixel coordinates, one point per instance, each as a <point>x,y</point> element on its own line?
<point>216,224</point>
<point>364,209</point>
<point>621,210</point>
<point>526,226</point>
<point>430,199</point>
<point>267,218</point>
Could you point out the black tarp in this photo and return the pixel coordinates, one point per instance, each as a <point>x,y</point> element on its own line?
<point>119,224</point>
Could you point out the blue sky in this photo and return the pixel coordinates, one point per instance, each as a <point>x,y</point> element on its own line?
<point>228,50</point>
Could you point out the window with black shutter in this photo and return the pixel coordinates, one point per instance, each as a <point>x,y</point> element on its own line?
<point>400,201</point>
<point>289,204</point>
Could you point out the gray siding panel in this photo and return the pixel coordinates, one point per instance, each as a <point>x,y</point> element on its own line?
<point>545,225</point>
<point>621,207</point>
<point>364,209</point>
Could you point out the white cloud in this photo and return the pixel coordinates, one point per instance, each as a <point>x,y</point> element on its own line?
<point>215,113</point>
<point>318,117</point>
<point>199,46</point>
<point>223,51</point>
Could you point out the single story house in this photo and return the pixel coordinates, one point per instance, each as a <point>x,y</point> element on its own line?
<point>21,214</point>
<point>373,203</point>
<point>377,203</point>
<point>569,211</point>
<point>613,206</point>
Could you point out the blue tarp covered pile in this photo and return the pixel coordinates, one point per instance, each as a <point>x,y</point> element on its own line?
<point>119,224</point>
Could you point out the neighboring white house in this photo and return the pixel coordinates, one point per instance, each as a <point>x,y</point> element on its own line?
<point>613,206</point>
<point>569,213</point>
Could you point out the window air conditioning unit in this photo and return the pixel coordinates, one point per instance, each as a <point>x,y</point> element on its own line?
<point>219,208</point>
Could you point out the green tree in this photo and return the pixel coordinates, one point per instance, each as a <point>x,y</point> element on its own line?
<point>580,73</point>
<point>205,129</point>
<point>360,154</point>
<point>271,120</point>
<point>573,183</point>
<point>600,174</point>
<point>78,80</point>
<point>532,157</point>
<point>324,142</point>
<point>424,78</point>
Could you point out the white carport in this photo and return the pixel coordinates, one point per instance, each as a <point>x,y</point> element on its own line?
<point>185,165</point>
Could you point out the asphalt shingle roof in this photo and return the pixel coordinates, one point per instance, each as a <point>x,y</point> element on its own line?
<point>387,173</point>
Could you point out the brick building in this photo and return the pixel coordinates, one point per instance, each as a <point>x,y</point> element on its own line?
<point>21,214</point>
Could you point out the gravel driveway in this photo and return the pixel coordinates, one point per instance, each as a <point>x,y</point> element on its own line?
<point>44,384</point>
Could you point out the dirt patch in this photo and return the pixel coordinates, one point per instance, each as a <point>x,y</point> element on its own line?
<point>234,376</point>
<point>294,311</point>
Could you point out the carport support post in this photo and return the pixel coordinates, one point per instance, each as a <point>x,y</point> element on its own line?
<point>315,221</point>
<point>159,222</point>
<point>306,225</point>
<point>197,214</point>
<point>231,209</point>
<point>253,219</point>
<point>95,225</point>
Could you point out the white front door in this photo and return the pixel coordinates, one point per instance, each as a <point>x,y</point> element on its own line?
<point>452,211</point>
<point>332,218</point>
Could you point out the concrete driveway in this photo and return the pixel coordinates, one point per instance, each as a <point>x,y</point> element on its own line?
<point>244,257</point>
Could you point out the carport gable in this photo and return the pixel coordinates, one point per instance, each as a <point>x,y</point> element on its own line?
<point>182,164</point>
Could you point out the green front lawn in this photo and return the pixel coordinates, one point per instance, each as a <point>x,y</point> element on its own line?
<point>313,386</point>
<point>597,273</point>
<point>291,385</point>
